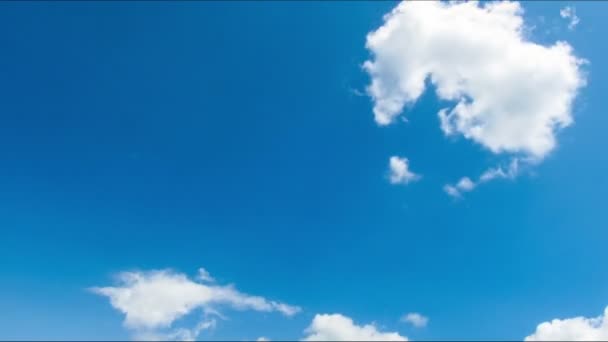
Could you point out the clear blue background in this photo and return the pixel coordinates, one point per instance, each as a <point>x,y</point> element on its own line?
<point>229,136</point>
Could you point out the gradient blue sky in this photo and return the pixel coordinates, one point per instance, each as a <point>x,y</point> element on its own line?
<point>230,136</point>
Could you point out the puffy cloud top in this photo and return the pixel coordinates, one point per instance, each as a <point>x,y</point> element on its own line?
<point>155,299</point>
<point>400,172</point>
<point>573,329</point>
<point>336,327</point>
<point>510,94</point>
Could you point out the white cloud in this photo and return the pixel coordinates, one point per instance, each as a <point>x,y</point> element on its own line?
<point>499,172</point>
<point>451,190</point>
<point>573,329</point>
<point>415,319</point>
<point>153,300</point>
<point>511,95</point>
<point>204,276</point>
<point>400,172</point>
<point>465,184</point>
<point>336,327</point>
<point>262,339</point>
<point>570,14</point>
<point>180,334</point>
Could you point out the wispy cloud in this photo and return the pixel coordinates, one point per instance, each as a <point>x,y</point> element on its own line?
<point>465,184</point>
<point>415,319</point>
<point>570,14</point>
<point>153,300</point>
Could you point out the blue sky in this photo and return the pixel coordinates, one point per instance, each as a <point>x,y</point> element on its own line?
<point>238,137</point>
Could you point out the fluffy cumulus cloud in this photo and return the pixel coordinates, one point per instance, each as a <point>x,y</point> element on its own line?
<point>510,94</point>
<point>415,319</point>
<point>153,300</point>
<point>336,327</point>
<point>400,172</point>
<point>573,329</point>
<point>569,13</point>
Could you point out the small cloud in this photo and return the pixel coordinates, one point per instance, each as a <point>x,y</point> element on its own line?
<point>400,172</point>
<point>180,334</point>
<point>262,339</point>
<point>357,92</point>
<point>499,172</point>
<point>204,276</point>
<point>570,14</point>
<point>415,319</point>
<point>451,190</point>
<point>337,327</point>
<point>465,184</point>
